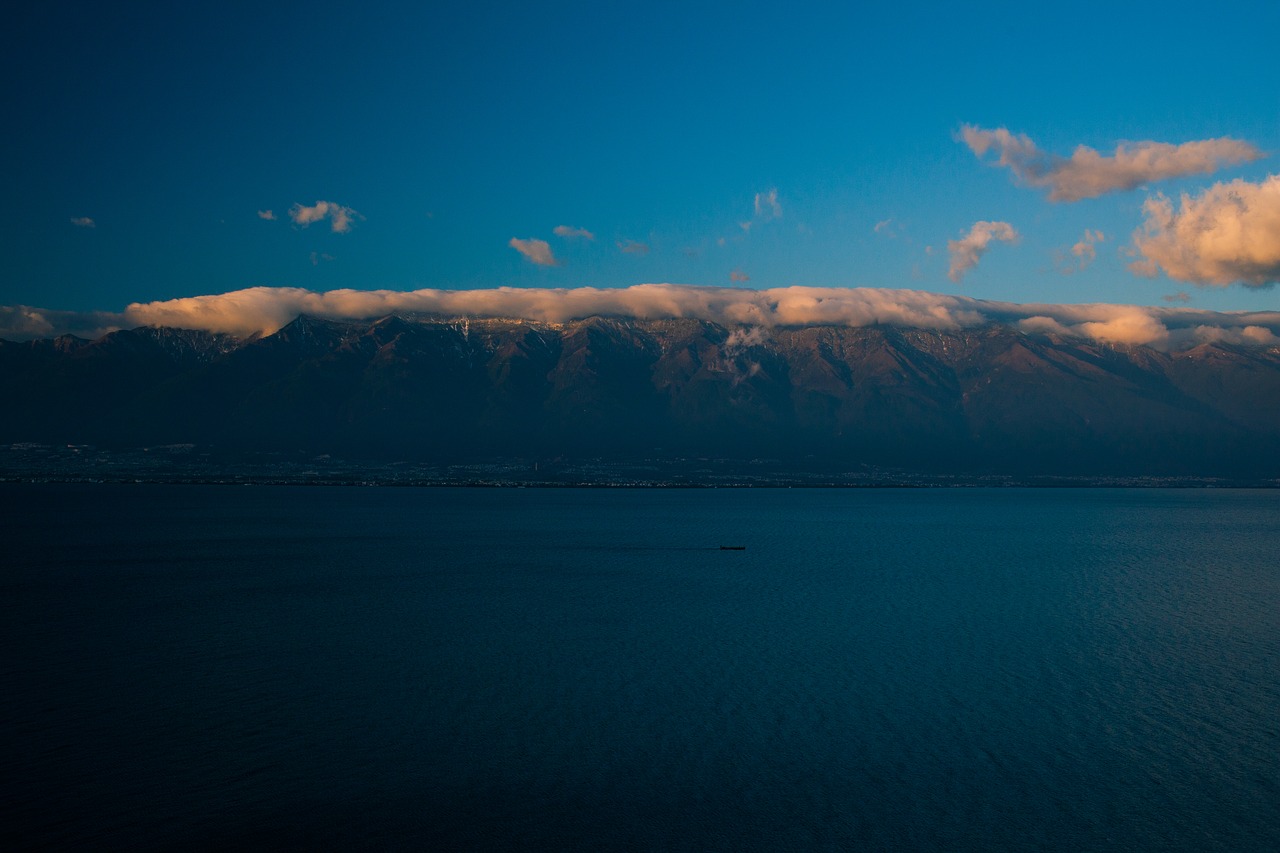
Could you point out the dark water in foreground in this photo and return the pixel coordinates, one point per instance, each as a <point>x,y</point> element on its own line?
<point>217,667</point>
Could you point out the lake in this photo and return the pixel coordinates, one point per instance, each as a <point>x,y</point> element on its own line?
<point>218,667</point>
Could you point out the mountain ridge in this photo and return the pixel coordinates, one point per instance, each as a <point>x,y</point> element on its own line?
<point>991,399</point>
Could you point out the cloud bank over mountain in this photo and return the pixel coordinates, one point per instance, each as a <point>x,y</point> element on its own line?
<point>261,310</point>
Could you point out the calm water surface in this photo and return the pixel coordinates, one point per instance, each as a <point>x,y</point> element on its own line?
<point>343,668</point>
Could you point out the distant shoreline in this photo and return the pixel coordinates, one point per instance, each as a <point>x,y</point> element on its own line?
<point>193,465</point>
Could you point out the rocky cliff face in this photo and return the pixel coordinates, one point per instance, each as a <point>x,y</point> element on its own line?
<point>967,401</point>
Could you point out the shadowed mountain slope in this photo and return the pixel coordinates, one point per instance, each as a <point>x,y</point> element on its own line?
<point>990,400</point>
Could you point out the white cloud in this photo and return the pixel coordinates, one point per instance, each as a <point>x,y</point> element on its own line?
<point>739,276</point>
<point>538,251</point>
<point>633,247</point>
<point>1088,174</point>
<point>569,232</point>
<point>83,222</point>
<point>340,217</point>
<point>1229,233</point>
<point>1180,296</point>
<point>966,251</point>
<point>269,215</point>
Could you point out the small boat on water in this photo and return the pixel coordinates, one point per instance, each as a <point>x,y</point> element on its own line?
<point>733,547</point>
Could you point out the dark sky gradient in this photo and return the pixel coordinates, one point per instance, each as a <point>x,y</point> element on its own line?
<point>453,128</point>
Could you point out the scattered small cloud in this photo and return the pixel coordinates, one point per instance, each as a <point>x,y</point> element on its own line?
<point>340,218</point>
<point>1228,234</point>
<point>269,215</point>
<point>317,257</point>
<point>966,251</point>
<point>1089,174</point>
<point>537,251</point>
<point>1180,296</point>
<point>767,206</point>
<point>83,222</point>
<point>569,232</point>
<point>1081,254</point>
<point>691,252</point>
<point>889,228</point>
<point>633,247</point>
<point>1084,248</point>
<point>739,276</point>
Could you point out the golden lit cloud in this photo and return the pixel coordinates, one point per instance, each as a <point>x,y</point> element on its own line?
<point>537,251</point>
<point>1088,174</point>
<point>966,252</point>
<point>1229,233</point>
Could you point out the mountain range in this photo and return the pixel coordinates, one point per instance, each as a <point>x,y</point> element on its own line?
<point>992,399</point>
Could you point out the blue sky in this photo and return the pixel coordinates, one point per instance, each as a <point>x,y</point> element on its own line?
<point>163,131</point>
